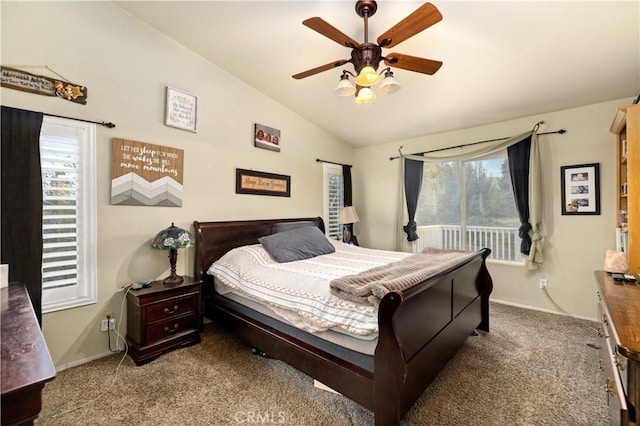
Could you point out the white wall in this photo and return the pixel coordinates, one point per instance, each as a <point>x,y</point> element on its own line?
<point>126,66</point>
<point>574,245</point>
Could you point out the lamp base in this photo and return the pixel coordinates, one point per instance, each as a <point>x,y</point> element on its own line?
<point>172,280</point>
<point>347,234</point>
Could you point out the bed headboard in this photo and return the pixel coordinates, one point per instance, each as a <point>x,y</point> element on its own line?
<point>214,239</point>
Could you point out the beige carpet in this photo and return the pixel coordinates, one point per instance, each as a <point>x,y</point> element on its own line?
<point>532,369</point>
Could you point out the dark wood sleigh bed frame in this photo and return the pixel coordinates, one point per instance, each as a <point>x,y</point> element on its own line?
<point>420,329</point>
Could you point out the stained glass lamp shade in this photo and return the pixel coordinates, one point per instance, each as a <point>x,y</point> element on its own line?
<point>172,238</point>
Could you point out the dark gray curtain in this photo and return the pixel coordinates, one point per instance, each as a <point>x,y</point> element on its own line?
<point>21,188</point>
<point>519,154</point>
<point>412,185</point>
<point>348,191</point>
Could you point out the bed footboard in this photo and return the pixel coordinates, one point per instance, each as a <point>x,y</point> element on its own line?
<point>421,329</point>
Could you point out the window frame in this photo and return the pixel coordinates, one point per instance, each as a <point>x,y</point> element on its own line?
<point>84,291</point>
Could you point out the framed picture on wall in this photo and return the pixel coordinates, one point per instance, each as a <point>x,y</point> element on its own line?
<point>181,110</point>
<point>262,183</point>
<point>266,137</point>
<point>580,189</point>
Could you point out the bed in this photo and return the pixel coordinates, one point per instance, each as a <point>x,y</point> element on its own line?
<point>419,328</point>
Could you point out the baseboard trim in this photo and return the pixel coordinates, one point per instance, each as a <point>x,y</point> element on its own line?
<point>82,361</point>
<point>536,308</point>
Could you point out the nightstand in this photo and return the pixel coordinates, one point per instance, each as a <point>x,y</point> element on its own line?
<point>161,318</point>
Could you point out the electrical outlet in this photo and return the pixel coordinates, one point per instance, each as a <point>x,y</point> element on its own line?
<point>543,283</point>
<point>108,324</point>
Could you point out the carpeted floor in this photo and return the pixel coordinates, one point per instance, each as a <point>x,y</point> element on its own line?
<point>533,368</point>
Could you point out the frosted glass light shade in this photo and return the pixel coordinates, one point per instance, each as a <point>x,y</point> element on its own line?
<point>345,88</point>
<point>367,77</point>
<point>365,96</point>
<point>389,85</point>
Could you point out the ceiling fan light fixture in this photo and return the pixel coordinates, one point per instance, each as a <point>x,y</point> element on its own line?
<point>367,77</point>
<point>345,87</point>
<point>389,84</point>
<point>365,96</point>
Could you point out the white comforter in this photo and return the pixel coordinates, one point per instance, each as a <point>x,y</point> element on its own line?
<point>299,291</point>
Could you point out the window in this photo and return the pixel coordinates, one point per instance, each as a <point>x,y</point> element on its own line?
<point>67,155</point>
<point>333,199</point>
<point>469,205</point>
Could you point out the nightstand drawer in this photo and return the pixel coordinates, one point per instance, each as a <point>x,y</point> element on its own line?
<point>170,328</point>
<point>172,308</point>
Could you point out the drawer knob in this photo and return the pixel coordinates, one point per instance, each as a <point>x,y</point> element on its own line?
<point>610,388</point>
<point>618,361</point>
<point>167,311</point>
<point>171,330</point>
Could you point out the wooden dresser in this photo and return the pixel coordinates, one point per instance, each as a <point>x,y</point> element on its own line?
<point>619,312</point>
<point>26,363</point>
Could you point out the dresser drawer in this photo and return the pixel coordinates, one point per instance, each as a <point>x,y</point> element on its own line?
<point>616,397</point>
<point>169,308</point>
<point>170,328</point>
<point>614,367</point>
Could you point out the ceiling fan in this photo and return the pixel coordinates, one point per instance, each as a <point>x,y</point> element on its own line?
<point>366,57</point>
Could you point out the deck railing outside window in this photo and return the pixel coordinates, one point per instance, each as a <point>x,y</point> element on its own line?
<point>504,242</point>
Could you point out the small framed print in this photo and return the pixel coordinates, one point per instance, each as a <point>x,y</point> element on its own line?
<point>580,191</point>
<point>181,110</point>
<point>266,137</point>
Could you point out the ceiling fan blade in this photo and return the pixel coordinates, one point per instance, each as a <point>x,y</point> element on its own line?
<point>412,63</point>
<point>421,19</point>
<point>328,30</point>
<point>319,69</point>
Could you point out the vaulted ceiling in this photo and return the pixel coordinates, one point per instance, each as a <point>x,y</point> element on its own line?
<point>502,60</point>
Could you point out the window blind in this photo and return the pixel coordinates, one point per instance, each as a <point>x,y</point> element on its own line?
<point>60,161</point>
<point>334,193</point>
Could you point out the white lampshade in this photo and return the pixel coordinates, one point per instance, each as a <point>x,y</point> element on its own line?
<point>345,88</point>
<point>367,77</point>
<point>365,96</point>
<point>389,84</point>
<point>348,215</point>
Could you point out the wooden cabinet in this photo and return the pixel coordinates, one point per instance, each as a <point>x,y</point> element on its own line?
<point>162,318</point>
<point>26,363</point>
<point>626,127</point>
<point>619,312</point>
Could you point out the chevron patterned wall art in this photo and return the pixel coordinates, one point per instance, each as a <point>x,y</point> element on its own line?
<point>144,174</point>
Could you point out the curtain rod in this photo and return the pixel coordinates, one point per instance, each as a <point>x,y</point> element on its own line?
<point>101,123</point>
<point>331,162</point>
<point>561,131</point>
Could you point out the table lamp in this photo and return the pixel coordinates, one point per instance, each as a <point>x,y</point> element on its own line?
<point>172,238</point>
<point>348,217</point>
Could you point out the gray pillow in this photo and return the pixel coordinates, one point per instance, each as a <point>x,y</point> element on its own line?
<point>297,244</point>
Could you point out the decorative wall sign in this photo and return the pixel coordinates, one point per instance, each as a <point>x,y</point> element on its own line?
<point>143,174</point>
<point>266,137</point>
<point>261,183</point>
<point>580,189</point>
<point>41,85</point>
<point>181,110</point>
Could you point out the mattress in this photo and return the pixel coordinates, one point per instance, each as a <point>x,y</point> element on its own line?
<point>298,293</point>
